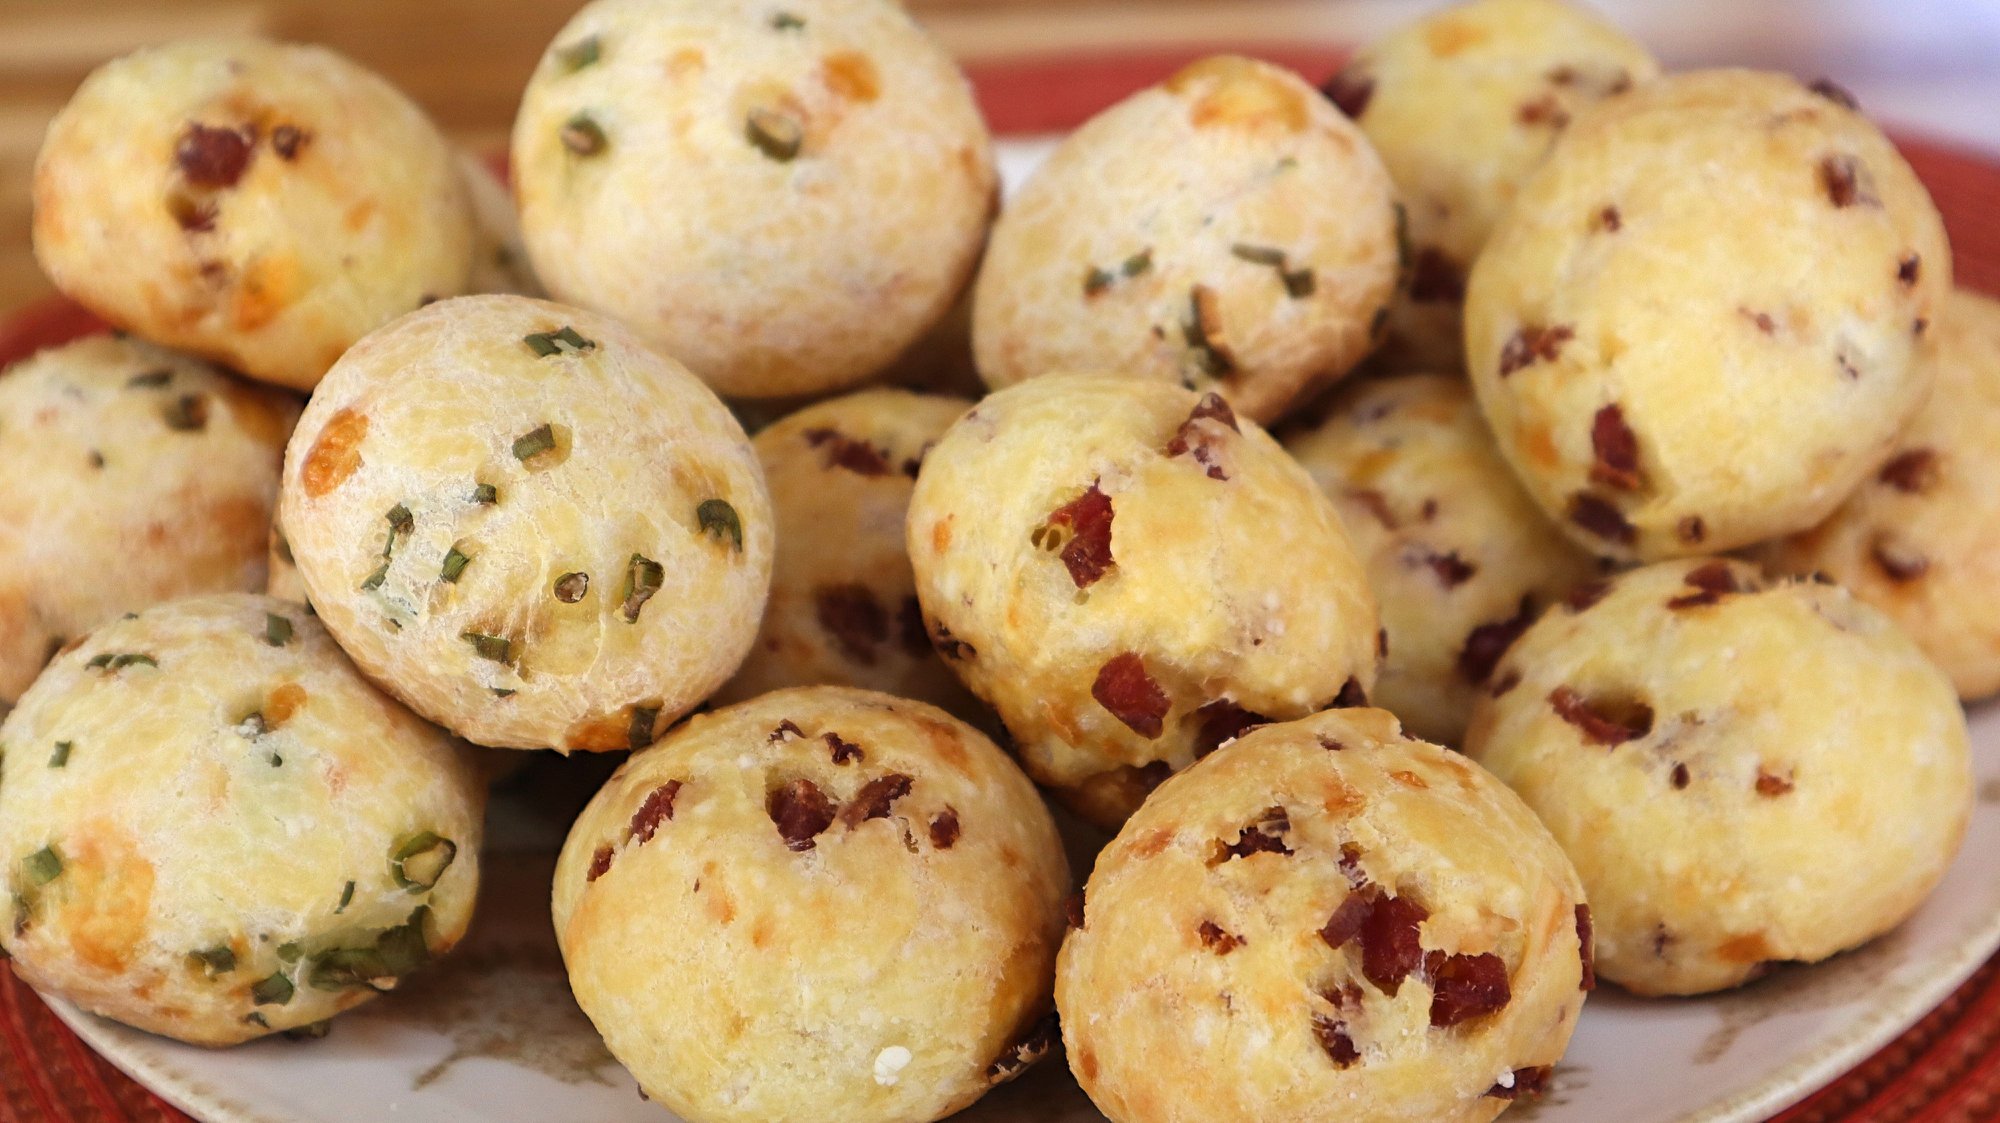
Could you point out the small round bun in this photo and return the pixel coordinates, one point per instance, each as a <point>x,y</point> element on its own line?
<point>1696,327</point>
<point>843,609</point>
<point>878,848</point>
<point>785,199</point>
<point>263,204</point>
<point>213,828</point>
<point>1227,230</point>
<point>1462,105</point>
<point>1743,773</point>
<point>1325,920</point>
<point>528,525</point>
<point>129,475</point>
<point>1921,539</point>
<point>1130,575</point>
<point>1459,557</point>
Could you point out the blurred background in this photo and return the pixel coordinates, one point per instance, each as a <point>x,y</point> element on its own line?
<point>1925,66</point>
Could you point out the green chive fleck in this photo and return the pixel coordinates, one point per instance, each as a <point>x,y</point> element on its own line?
<point>572,587</point>
<point>1259,255</point>
<point>576,56</point>
<point>486,495</point>
<point>400,522</point>
<point>289,951</point>
<point>547,343</point>
<point>118,661</point>
<point>786,21</point>
<point>1139,263</point>
<point>1096,280</point>
<point>534,443</point>
<point>346,898</point>
<point>397,952</point>
<point>717,517</point>
<point>497,648</point>
<point>641,733</point>
<point>643,578</point>
<point>277,630</point>
<point>421,860</point>
<point>777,135</point>
<point>1405,255</point>
<point>582,135</point>
<point>375,579</point>
<point>60,756</point>
<point>454,565</point>
<point>187,413</point>
<point>312,1031</point>
<point>272,990</point>
<point>1299,283</point>
<point>150,379</point>
<point>218,960</point>
<point>503,691</point>
<point>43,866</point>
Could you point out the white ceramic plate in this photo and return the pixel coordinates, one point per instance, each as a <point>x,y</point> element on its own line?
<point>492,1034</point>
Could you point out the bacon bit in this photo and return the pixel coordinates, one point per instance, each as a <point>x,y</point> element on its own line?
<point>1600,517</point>
<point>1506,682</point>
<point>1913,472</point>
<point>1608,722</point>
<point>1022,1055</point>
<point>1529,1082</point>
<point>1436,278</point>
<point>1898,562</point>
<point>1191,437</point>
<point>1331,745</point>
<point>214,158</point>
<point>844,752</point>
<point>1661,940</point>
<point>1221,721</point>
<point>1352,916</point>
<point>1351,91</point>
<point>600,864</point>
<point>1771,786</point>
<point>1125,689</point>
<point>1265,836</point>
<point>1391,946</point>
<point>657,808</point>
<point>287,140</point>
<point>1073,910</point>
<point>800,811</point>
<point>1213,408</point>
<point>1532,344</point>
<point>1918,325</point>
<point>910,628</point>
<point>1350,865</point>
<point>1464,987</point>
<point>1712,580</point>
<point>843,451</point>
<point>1351,695</point>
<point>1088,552</point>
<point>1848,368</point>
<point>1763,320</point>
<point>193,215</point>
<point>1847,182</point>
<point>1452,571</point>
<point>1838,95</point>
<point>1332,1037</point>
<point>1616,448</point>
<point>944,829</point>
<point>855,620</point>
<point>1216,940</point>
<point>875,798</point>
<point>1681,777</point>
<point>1586,944</point>
<point>1586,594</point>
<point>1544,110</point>
<point>1908,269</point>
<point>950,646</point>
<point>1382,643</point>
<point>1610,221</point>
<point>1692,530</point>
<point>1485,644</point>
<point>786,729</point>
<point>1376,504</point>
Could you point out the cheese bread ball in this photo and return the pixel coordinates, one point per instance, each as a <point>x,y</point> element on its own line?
<point>263,204</point>
<point>499,259</point>
<point>1460,558</point>
<point>1325,920</point>
<point>129,475</point>
<point>1131,575</point>
<point>1921,540</point>
<point>843,609</point>
<point>860,898</point>
<point>1695,328</point>
<point>528,525</point>
<point>1462,105</point>
<point>1226,230</point>
<point>1743,773</point>
<point>214,828</point>
<point>784,197</point>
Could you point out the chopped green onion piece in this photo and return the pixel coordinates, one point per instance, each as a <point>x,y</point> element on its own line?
<point>1405,254</point>
<point>582,135</point>
<point>547,343</point>
<point>118,661</point>
<point>1258,255</point>
<point>571,587</point>
<point>576,56</point>
<point>534,442</point>
<point>277,630</point>
<point>272,990</point>
<point>400,520</point>
<point>641,733</point>
<point>152,378</point>
<point>346,898</point>
<point>375,579</point>
<point>187,413</point>
<point>256,1019</point>
<point>643,578</point>
<point>454,565</point>
<point>497,648</point>
<point>777,135</point>
<point>404,948</point>
<point>421,860</point>
<point>289,951</point>
<point>1299,283</point>
<point>1138,263</point>
<point>218,960</point>
<point>503,691</point>
<point>786,21</point>
<point>717,517</point>
<point>60,756</point>
<point>397,952</point>
<point>486,495</point>
<point>1096,280</point>
<point>43,866</point>
<point>312,1031</point>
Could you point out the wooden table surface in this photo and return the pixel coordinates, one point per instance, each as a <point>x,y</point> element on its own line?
<point>1937,61</point>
